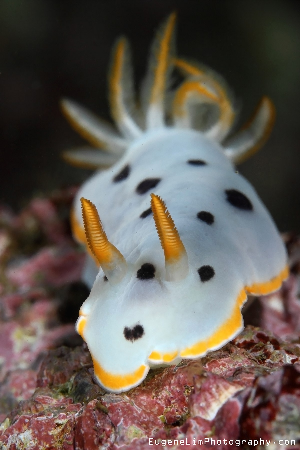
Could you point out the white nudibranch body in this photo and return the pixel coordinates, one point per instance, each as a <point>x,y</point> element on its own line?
<point>187,236</point>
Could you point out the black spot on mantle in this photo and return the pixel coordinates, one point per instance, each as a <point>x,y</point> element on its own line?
<point>206,217</point>
<point>146,213</point>
<point>197,162</point>
<point>146,272</point>
<point>238,200</point>
<point>132,334</point>
<point>206,273</point>
<point>122,175</point>
<point>146,185</point>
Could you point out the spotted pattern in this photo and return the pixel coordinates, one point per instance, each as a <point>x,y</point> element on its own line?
<point>146,272</point>
<point>146,213</point>
<point>123,174</point>
<point>206,217</point>
<point>197,162</point>
<point>146,185</point>
<point>132,334</point>
<point>238,200</point>
<point>206,273</point>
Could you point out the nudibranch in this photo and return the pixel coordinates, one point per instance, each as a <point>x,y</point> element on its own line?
<point>183,238</point>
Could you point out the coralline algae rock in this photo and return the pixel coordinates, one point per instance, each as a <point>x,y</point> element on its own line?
<point>245,395</point>
<point>38,259</point>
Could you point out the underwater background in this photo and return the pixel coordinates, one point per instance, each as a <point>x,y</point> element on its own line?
<point>52,49</point>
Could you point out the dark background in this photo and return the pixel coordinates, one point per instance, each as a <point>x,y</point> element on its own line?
<point>55,48</point>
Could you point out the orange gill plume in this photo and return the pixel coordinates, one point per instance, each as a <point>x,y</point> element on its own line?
<point>121,91</point>
<point>202,86</point>
<point>160,65</point>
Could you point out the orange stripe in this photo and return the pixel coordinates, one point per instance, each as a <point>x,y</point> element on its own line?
<point>79,234</point>
<point>116,382</point>
<point>189,68</point>
<point>164,357</point>
<point>68,158</point>
<point>162,58</point>
<point>187,89</point>
<point>266,133</point>
<point>81,322</point>
<point>269,286</point>
<point>77,126</point>
<point>77,230</point>
<point>225,104</point>
<point>116,75</point>
<point>223,333</point>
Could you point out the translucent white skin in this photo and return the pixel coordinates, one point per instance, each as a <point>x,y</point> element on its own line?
<point>242,246</point>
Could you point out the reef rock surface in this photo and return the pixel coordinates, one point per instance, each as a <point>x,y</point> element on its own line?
<point>245,395</point>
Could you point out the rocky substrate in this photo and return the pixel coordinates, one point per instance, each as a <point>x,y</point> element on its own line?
<point>245,395</point>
